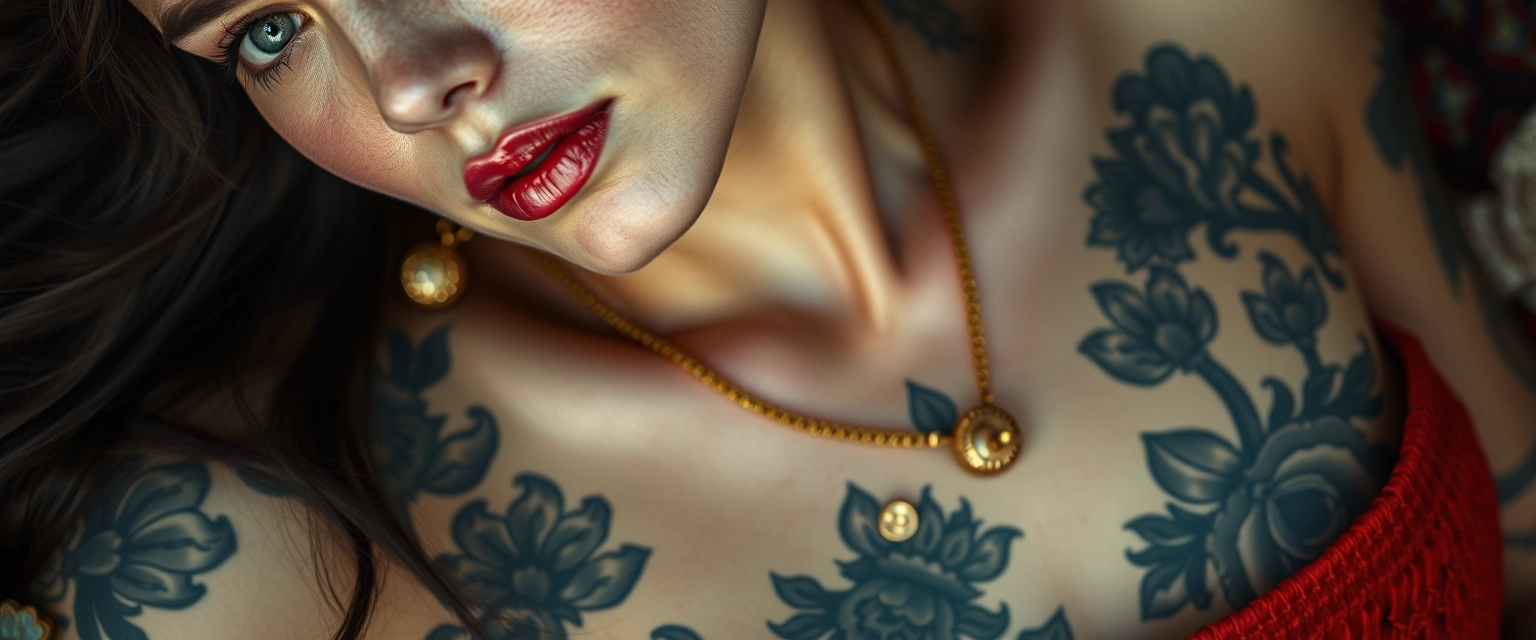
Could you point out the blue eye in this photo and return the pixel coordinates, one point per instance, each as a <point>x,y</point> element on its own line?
<point>267,38</point>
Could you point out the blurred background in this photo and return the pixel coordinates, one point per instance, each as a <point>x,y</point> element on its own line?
<point>1471,72</point>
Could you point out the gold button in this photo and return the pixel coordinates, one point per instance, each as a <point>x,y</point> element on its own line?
<point>987,440</point>
<point>898,520</point>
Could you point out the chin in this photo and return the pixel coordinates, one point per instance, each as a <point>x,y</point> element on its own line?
<point>642,207</point>
<point>619,229</point>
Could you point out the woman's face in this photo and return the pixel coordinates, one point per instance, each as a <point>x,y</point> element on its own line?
<point>594,129</point>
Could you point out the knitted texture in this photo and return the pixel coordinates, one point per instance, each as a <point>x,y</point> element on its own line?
<point>1424,561</point>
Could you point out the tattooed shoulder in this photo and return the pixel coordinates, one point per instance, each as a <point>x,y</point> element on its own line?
<point>172,546</point>
<point>149,542</point>
<point>540,566</point>
<point>1253,508</point>
<point>416,449</point>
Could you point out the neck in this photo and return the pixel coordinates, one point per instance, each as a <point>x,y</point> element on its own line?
<point>824,201</point>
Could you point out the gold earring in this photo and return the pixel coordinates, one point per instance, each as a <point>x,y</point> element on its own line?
<point>433,274</point>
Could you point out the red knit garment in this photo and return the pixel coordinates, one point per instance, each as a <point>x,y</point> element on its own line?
<point>1425,561</point>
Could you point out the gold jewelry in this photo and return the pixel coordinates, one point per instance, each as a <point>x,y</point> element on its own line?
<point>898,521</point>
<point>433,274</point>
<point>986,439</point>
<point>23,623</point>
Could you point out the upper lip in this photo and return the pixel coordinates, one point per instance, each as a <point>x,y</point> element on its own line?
<point>515,150</point>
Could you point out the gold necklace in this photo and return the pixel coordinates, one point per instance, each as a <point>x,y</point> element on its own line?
<point>986,439</point>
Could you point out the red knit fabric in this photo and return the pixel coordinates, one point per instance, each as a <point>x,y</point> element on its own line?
<point>1425,561</point>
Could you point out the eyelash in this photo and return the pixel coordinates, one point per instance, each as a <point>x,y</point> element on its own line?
<point>229,50</point>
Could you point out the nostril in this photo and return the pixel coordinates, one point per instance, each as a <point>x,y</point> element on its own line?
<point>427,79</point>
<point>454,95</point>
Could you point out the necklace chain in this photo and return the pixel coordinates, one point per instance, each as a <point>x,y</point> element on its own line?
<point>946,204</point>
<point>797,421</point>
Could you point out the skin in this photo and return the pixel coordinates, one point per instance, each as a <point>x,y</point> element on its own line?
<point>369,100</point>
<point>815,272</point>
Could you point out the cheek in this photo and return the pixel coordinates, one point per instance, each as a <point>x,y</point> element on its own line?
<point>329,116</point>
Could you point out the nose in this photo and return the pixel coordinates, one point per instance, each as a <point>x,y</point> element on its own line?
<point>425,80</point>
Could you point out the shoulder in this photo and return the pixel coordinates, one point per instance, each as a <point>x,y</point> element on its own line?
<point>179,549</point>
<point>1294,54</point>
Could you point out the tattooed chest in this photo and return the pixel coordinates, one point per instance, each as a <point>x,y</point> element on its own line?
<point>1230,423</point>
<point>1196,488</point>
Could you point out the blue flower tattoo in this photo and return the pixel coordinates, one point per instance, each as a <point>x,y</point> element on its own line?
<point>1256,510</point>
<point>1186,159</point>
<point>1252,511</point>
<point>413,454</point>
<point>1155,333</point>
<point>533,571</point>
<point>140,545</point>
<point>1290,310</point>
<point>922,587</point>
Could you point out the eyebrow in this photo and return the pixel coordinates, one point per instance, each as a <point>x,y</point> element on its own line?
<point>191,15</point>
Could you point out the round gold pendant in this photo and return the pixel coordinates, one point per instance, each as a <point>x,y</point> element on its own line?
<point>898,520</point>
<point>433,276</point>
<point>986,440</point>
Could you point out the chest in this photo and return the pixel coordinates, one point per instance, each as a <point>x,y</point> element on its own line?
<point>693,512</point>
<point>1202,401</point>
<point>540,469</point>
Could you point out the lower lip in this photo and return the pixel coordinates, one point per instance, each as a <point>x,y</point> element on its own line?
<point>567,167</point>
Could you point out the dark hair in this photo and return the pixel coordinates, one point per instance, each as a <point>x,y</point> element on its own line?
<point>156,240</point>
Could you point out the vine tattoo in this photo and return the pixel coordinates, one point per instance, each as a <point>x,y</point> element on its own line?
<point>922,587</point>
<point>412,451</point>
<point>1254,510</point>
<point>537,568</point>
<point>140,545</point>
<point>934,20</point>
<point>1294,480</point>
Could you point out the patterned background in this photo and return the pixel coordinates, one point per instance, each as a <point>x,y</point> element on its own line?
<point>1472,70</point>
<point>1472,73</point>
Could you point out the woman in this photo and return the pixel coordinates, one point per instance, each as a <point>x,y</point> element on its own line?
<point>222,421</point>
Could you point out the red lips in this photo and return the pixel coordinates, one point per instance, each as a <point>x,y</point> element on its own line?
<point>534,170</point>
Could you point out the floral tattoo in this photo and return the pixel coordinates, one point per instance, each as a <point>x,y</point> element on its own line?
<point>1254,510</point>
<point>408,442</point>
<point>1186,160</point>
<point>924,587</point>
<point>142,544</point>
<point>1258,509</point>
<point>533,571</point>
